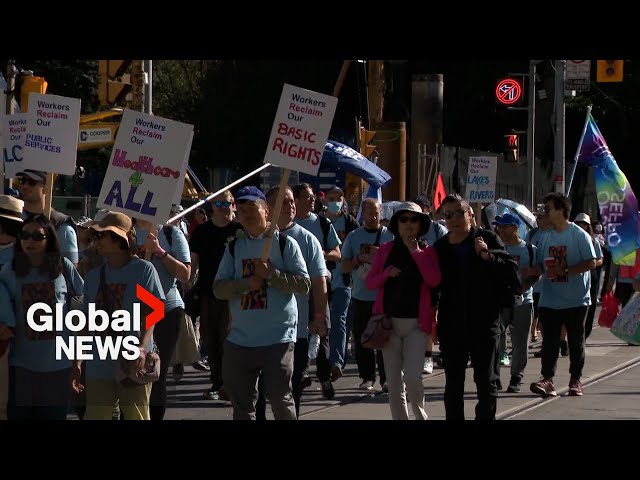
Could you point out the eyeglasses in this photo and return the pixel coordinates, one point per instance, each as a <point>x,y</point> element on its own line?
<point>222,204</point>
<point>35,236</point>
<point>455,214</point>
<point>410,218</point>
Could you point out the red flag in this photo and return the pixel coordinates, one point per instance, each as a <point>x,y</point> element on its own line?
<point>440,192</point>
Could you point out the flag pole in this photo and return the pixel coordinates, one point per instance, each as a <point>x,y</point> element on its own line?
<point>575,160</point>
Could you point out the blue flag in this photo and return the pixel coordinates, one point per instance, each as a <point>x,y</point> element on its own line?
<point>339,155</point>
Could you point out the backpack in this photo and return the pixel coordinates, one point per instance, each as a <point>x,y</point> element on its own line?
<point>350,224</point>
<point>58,219</point>
<point>508,282</point>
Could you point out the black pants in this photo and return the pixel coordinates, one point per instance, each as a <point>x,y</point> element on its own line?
<point>624,292</point>
<point>215,322</point>
<point>38,395</point>
<point>552,320</point>
<point>165,334</point>
<point>365,357</point>
<point>484,356</point>
<point>300,363</point>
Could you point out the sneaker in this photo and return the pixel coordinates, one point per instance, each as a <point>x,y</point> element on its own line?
<point>438,361</point>
<point>385,388</point>
<point>514,385</point>
<point>564,348</point>
<point>538,354</point>
<point>178,372</point>
<point>428,365</point>
<point>504,359</point>
<point>328,392</point>
<point>367,385</point>
<point>544,387</point>
<point>306,382</point>
<point>575,388</point>
<point>499,385</point>
<point>336,373</point>
<point>201,365</point>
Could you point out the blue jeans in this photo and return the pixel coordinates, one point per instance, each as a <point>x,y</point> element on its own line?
<point>340,300</point>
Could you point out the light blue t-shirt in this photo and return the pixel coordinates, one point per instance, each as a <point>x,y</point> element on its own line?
<point>6,255</point>
<point>36,351</point>
<point>435,233</point>
<point>121,285</point>
<point>535,239</point>
<point>267,316</point>
<point>179,249</point>
<point>569,247</point>
<point>520,253</point>
<point>357,243</point>
<point>339,226</point>
<point>314,259</point>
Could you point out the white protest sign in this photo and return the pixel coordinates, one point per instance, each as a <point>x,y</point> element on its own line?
<point>300,129</point>
<point>146,166</point>
<point>51,142</point>
<point>13,128</point>
<point>481,179</point>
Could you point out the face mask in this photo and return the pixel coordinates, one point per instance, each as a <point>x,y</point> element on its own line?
<point>334,207</point>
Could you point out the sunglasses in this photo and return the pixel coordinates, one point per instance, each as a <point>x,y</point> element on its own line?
<point>409,218</point>
<point>222,204</point>
<point>455,214</point>
<point>35,236</point>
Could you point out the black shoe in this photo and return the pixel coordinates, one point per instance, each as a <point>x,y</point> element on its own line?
<point>538,354</point>
<point>306,382</point>
<point>514,385</point>
<point>328,392</point>
<point>499,385</point>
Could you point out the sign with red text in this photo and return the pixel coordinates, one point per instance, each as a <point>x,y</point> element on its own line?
<point>51,139</point>
<point>301,129</point>
<point>146,166</point>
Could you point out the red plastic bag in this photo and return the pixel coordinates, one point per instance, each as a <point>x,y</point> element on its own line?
<point>610,310</point>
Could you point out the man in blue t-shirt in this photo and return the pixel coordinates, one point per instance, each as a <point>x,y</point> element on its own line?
<point>264,313</point>
<point>358,251</point>
<point>519,316</point>
<point>567,256</point>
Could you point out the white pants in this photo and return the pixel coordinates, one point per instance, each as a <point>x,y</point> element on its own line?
<point>403,362</point>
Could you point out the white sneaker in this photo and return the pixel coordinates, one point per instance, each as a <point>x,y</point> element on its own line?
<point>428,365</point>
<point>368,385</point>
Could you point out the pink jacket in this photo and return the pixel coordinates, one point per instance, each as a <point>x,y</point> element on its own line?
<point>427,262</point>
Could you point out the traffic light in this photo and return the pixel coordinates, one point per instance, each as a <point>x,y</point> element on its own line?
<point>366,136</point>
<point>609,70</point>
<point>114,84</point>
<point>511,148</point>
<point>31,84</point>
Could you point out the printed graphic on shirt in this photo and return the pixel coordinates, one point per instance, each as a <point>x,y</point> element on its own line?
<point>254,299</point>
<point>110,299</point>
<point>34,293</point>
<point>559,252</point>
<point>365,248</point>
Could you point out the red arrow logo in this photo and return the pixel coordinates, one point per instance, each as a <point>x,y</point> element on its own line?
<point>156,305</point>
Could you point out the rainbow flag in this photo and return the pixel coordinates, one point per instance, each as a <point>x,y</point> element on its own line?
<point>618,205</point>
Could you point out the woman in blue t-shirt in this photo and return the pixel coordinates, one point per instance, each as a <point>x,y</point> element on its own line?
<point>38,273</point>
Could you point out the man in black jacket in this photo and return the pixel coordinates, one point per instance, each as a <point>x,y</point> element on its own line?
<point>474,264</point>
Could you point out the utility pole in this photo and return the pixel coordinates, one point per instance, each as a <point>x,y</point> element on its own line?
<point>137,86</point>
<point>531,132</point>
<point>558,158</point>
<point>9,110</point>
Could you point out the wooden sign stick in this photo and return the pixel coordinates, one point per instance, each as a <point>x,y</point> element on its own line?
<point>266,248</point>
<point>48,195</point>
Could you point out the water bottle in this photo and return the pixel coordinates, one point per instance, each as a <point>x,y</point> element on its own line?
<point>314,346</point>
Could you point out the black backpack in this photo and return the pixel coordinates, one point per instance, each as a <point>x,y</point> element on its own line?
<point>508,281</point>
<point>350,224</point>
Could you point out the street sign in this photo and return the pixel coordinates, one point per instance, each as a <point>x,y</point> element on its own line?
<point>578,75</point>
<point>509,91</point>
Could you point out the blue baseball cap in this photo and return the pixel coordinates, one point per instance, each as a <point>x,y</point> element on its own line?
<point>507,219</point>
<point>249,193</point>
